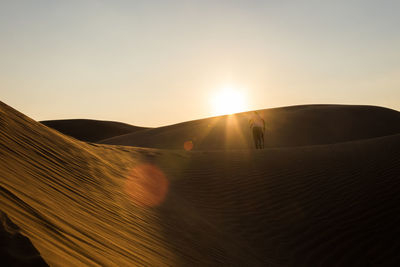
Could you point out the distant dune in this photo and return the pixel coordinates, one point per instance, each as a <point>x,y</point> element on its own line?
<point>286,127</point>
<point>297,205</point>
<point>91,130</point>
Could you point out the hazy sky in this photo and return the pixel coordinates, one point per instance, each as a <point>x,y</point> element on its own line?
<point>153,63</point>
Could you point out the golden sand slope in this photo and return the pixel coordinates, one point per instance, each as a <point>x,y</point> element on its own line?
<point>87,204</point>
<point>286,127</point>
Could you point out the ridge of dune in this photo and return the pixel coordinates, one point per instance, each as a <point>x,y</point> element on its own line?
<point>286,127</point>
<point>91,130</point>
<point>324,205</point>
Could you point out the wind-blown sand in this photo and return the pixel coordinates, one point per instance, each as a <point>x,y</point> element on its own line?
<point>91,204</point>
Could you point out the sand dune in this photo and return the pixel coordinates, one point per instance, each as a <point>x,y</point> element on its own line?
<point>91,204</point>
<point>286,127</point>
<point>16,249</point>
<point>91,130</point>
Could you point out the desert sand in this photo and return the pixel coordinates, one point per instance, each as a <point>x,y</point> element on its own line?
<point>91,130</point>
<point>325,192</point>
<point>286,127</point>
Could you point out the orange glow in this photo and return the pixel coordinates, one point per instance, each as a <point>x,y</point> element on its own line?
<point>147,185</point>
<point>188,145</point>
<point>234,136</point>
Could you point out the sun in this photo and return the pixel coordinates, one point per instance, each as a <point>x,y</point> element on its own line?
<point>228,101</point>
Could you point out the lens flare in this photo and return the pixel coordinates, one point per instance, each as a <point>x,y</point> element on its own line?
<point>188,145</point>
<point>146,185</point>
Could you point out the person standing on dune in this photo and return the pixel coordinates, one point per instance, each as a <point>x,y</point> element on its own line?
<point>257,124</point>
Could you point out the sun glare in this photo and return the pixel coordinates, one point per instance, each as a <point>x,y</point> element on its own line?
<point>228,101</point>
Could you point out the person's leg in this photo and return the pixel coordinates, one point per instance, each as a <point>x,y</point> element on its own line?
<point>262,140</point>
<point>258,137</point>
<point>255,136</point>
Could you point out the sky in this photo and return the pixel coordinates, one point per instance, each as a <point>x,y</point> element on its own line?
<point>154,63</point>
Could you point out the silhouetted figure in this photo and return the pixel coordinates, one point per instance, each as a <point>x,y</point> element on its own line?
<point>257,124</point>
